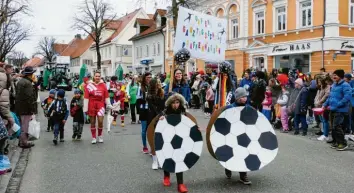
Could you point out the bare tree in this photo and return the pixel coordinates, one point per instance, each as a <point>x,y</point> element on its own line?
<point>93,17</point>
<point>11,8</point>
<point>12,32</point>
<point>46,48</point>
<point>18,58</point>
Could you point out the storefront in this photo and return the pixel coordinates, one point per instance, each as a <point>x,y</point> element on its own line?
<point>293,56</point>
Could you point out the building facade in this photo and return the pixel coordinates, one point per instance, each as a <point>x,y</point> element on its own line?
<point>303,34</point>
<point>148,43</point>
<point>115,48</point>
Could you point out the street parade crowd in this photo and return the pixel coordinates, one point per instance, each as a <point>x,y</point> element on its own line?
<point>289,99</point>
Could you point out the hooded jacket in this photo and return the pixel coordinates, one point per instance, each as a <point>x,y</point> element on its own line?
<point>339,97</point>
<point>267,102</point>
<point>4,95</point>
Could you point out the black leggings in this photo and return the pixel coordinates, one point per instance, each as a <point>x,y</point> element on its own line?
<point>178,175</point>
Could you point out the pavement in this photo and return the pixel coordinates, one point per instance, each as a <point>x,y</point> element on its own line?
<point>303,165</point>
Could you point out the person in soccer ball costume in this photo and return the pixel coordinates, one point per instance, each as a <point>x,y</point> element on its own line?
<point>240,100</point>
<point>95,98</point>
<point>174,105</point>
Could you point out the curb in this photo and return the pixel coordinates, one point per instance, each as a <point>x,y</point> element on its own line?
<point>14,155</point>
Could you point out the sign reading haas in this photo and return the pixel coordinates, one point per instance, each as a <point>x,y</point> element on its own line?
<point>291,48</point>
<point>347,45</point>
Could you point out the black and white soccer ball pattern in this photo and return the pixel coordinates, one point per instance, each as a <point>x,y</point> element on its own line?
<point>243,139</point>
<point>178,143</point>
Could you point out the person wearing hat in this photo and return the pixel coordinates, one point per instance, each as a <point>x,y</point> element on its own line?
<point>59,113</point>
<point>240,100</point>
<point>45,105</point>
<point>338,103</point>
<point>26,105</point>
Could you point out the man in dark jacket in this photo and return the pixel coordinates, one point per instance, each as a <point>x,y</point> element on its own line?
<point>258,89</point>
<point>26,104</point>
<point>338,103</point>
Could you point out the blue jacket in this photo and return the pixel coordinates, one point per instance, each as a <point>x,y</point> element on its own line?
<point>244,82</point>
<point>184,90</point>
<point>339,97</point>
<point>351,83</point>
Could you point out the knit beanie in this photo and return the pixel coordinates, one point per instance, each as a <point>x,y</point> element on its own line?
<point>77,91</point>
<point>240,92</point>
<point>52,91</point>
<point>348,76</point>
<point>61,93</point>
<point>299,81</point>
<point>340,73</point>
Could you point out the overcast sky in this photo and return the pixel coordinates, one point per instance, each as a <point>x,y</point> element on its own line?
<point>55,17</point>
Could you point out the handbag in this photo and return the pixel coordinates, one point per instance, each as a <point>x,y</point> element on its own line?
<point>206,104</point>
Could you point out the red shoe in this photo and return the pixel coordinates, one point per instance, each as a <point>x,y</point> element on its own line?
<point>182,188</point>
<point>166,181</point>
<point>145,150</point>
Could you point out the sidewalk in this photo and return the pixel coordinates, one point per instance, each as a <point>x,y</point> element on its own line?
<point>14,155</point>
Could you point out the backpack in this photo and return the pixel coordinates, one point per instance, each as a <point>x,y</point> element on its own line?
<point>62,111</point>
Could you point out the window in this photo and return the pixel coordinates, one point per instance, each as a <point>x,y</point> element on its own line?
<point>306,14</point>
<point>351,14</point>
<point>147,51</point>
<point>234,28</point>
<point>125,52</point>
<point>259,23</point>
<point>153,49</point>
<point>109,52</point>
<point>281,19</point>
<point>158,48</point>
<point>137,52</point>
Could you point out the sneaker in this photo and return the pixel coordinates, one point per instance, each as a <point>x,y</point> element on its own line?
<point>78,138</point>
<point>319,133</point>
<point>114,123</point>
<point>61,140</point>
<point>334,145</point>
<point>284,131</point>
<point>94,141</point>
<point>73,137</point>
<point>155,165</point>
<point>55,140</point>
<point>351,137</point>
<point>296,133</point>
<point>166,181</point>
<point>245,181</point>
<point>145,150</point>
<point>122,124</point>
<point>133,122</point>
<point>304,133</point>
<point>182,188</point>
<point>323,138</point>
<point>342,147</point>
<point>100,139</point>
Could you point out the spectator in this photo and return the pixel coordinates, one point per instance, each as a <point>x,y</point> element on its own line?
<point>26,105</point>
<point>321,97</point>
<point>338,103</point>
<point>300,103</point>
<point>5,96</point>
<point>258,90</point>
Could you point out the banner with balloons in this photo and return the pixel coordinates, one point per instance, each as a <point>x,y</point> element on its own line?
<point>203,35</point>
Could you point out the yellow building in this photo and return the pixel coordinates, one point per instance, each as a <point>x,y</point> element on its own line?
<point>304,34</point>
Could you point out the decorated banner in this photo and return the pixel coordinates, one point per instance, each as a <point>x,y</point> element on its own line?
<point>203,35</point>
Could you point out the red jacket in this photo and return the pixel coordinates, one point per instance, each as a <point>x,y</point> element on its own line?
<point>267,102</point>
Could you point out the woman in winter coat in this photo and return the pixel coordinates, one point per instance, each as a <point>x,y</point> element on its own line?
<point>155,99</point>
<point>179,86</point>
<point>144,108</point>
<point>321,97</point>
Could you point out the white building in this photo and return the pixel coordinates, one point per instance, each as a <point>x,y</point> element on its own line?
<point>148,43</point>
<point>115,47</point>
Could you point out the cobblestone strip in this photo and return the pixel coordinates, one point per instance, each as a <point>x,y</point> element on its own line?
<point>17,174</point>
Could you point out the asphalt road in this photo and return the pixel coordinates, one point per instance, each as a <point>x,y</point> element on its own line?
<point>303,165</point>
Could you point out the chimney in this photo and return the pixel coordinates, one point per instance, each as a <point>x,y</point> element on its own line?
<point>78,36</point>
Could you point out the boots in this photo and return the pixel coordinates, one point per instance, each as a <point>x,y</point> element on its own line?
<point>166,181</point>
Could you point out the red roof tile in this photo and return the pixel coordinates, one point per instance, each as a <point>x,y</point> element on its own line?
<point>161,12</point>
<point>83,46</point>
<point>59,48</point>
<point>144,22</point>
<point>149,31</point>
<point>151,16</point>
<point>123,23</point>
<point>34,62</point>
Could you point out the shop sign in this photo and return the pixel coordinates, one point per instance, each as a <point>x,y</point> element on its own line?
<point>146,62</point>
<point>291,48</point>
<point>347,45</point>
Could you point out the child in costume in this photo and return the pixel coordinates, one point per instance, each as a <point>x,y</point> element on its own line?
<point>174,105</point>
<point>240,100</point>
<point>77,112</point>
<point>59,113</point>
<point>267,104</point>
<point>119,97</point>
<point>45,105</point>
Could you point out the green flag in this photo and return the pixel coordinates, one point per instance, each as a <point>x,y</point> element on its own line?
<point>119,72</point>
<point>83,71</point>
